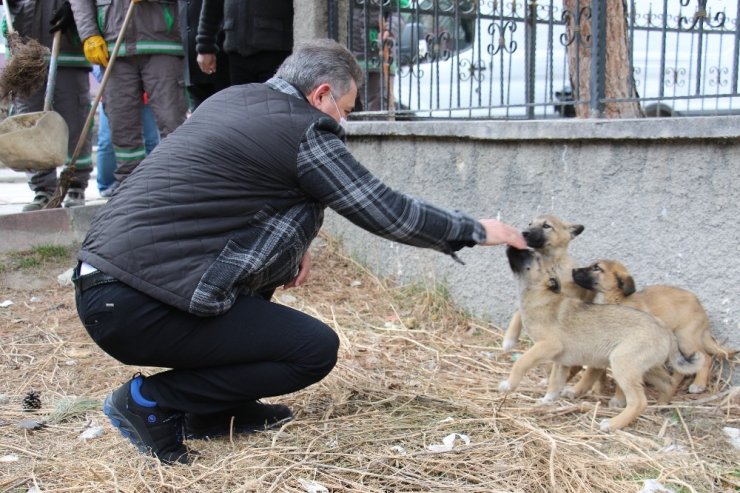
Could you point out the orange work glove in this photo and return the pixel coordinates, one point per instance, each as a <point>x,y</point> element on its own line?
<point>96,50</point>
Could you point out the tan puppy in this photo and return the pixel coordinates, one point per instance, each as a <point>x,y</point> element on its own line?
<point>550,236</point>
<point>678,309</point>
<point>571,332</point>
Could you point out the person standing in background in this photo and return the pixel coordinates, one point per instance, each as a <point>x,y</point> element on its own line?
<point>258,36</point>
<point>39,20</point>
<point>149,60</point>
<point>373,36</point>
<point>199,84</point>
<point>105,157</point>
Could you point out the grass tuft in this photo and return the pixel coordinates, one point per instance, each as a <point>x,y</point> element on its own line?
<point>37,257</point>
<point>51,251</point>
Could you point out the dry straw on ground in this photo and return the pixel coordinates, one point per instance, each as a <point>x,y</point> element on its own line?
<point>413,369</point>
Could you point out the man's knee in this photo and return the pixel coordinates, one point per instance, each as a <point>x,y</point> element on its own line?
<point>325,348</point>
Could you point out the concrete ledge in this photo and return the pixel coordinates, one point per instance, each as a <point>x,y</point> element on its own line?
<point>717,127</point>
<point>47,227</point>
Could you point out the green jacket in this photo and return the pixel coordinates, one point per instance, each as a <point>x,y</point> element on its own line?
<point>154,28</point>
<point>31,18</point>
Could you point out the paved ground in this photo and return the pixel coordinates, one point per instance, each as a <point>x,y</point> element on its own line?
<point>14,192</point>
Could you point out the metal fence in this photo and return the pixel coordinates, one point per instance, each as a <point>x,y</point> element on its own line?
<point>510,59</point>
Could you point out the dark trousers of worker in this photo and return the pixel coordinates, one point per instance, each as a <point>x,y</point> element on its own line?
<point>72,101</point>
<point>259,67</point>
<point>161,77</point>
<point>256,349</point>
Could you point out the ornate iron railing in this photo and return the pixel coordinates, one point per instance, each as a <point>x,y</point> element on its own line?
<point>508,59</point>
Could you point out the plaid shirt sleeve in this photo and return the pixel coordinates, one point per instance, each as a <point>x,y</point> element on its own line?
<point>329,173</point>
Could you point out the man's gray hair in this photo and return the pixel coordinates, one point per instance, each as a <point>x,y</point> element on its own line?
<point>318,62</point>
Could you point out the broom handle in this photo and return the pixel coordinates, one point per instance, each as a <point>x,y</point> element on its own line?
<point>65,178</point>
<point>51,79</point>
<point>8,17</point>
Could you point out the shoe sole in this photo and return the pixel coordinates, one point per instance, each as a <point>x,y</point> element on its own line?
<point>119,422</point>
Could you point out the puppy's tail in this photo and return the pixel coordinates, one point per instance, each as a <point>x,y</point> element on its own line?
<point>686,365</point>
<point>712,347</point>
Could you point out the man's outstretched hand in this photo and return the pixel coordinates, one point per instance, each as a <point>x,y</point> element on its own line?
<point>498,233</point>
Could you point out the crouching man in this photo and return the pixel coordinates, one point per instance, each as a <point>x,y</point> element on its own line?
<point>178,268</point>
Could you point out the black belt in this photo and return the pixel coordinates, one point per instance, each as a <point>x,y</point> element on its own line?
<point>93,279</point>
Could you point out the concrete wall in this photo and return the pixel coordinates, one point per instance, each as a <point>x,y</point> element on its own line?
<point>659,195</point>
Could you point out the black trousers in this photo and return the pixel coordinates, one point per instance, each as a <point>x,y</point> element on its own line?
<point>259,67</point>
<point>199,93</point>
<point>256,349</point>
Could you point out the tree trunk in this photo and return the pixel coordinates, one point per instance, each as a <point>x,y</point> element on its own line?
<point>619,82</point>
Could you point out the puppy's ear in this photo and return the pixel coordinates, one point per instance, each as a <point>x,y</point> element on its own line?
<point>553,284</point>
<point>576,229</point>
<point>626,284</point>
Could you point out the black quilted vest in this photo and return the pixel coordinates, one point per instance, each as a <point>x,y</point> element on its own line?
<point>202,189</point>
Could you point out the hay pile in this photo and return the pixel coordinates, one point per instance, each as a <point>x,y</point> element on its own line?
<point>412,371</point>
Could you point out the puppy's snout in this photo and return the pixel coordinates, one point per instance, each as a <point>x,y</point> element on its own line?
<point>582,278</point>
<point>535,238</point>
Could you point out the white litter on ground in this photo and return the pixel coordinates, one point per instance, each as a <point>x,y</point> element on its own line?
<point>313,486</point>
<point>65,278</point>
<point>448,442</point>
<point>653,486</point>
<point>92,432</point>
<point>734,435</point>
<point>398,449</point>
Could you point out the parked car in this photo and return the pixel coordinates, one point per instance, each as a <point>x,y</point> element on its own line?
<point>482,61</point>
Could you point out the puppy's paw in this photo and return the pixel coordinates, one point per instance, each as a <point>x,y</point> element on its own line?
<point>696,389</point>
<point>504,386</point>
<point>614,402</point>
<point>604,426</point>
<point>569,393</point>
<point>549,397</point>
<point>508,344</point>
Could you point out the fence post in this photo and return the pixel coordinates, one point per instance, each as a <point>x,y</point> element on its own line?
<point>530,51</point>
<point>333,19</point>
<point>598,57</point>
